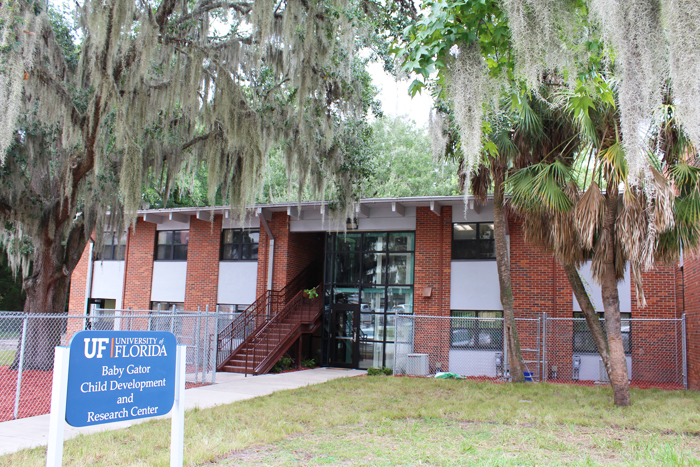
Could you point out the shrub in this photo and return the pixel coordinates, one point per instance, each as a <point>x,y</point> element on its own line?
<point>310,363</point>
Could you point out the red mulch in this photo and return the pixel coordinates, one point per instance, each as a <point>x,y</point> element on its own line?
<point>35,395</point>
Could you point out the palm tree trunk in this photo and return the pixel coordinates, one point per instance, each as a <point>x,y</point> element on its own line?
<point>510,332</point>
<point>617,371</point>
<point>589,313</point>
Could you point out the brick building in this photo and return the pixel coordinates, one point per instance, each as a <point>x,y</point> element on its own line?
<point>426,256</point>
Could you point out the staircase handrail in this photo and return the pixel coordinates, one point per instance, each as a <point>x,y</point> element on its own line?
<point>259,312</point>
<point>262,336</point>
<point>247,320</point>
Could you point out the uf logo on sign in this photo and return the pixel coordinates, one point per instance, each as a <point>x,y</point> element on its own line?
<point>98,345</point>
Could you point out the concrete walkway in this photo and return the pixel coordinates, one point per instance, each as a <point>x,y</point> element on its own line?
<point>230,387</point>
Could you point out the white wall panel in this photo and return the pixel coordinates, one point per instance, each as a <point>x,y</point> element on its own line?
<point>174,225</point>
<point>593,289</point>
<point>108,280</point>
<point>485,213</point>
<point>169,279</point>
<point>474,286</point>
<point>237,282</point>
<point>380,218</point>
<point>474,362</point>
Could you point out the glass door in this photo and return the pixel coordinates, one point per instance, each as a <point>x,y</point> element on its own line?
<point>344,338</point>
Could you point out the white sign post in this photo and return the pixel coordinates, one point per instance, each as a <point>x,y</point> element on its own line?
<point>60,395</point>
<point>57,420</point>
<point>177,430</point>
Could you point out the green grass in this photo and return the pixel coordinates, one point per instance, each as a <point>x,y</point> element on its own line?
<point>402,421</point>
<point>7,357</point>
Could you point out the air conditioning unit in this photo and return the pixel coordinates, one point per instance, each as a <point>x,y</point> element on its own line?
<point>603,372</point>
<point>418,364</point>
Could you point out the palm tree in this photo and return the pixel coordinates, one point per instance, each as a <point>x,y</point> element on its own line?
<point>604,217</point>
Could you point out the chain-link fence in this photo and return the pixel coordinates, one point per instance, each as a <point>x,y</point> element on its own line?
<point>27,343</point>
<point>553,349</point>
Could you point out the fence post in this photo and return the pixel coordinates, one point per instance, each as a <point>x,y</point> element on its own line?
<point>685,353</point>
<point>196,346</point>
<point>215,346</point>
<point>172,320</point>
<point>21,365</point>
<point>205,357</point>
<point>544,347</point>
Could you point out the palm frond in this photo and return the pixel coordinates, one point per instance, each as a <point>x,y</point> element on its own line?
<point>589,212</point>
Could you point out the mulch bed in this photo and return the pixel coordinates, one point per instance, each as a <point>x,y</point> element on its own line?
<point>35,395</point>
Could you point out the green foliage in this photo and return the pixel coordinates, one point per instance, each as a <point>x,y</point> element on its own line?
<point>383,371</point>
<point>310,363</point>
<point>430,40</point>
<point>284,364</point>
<point>11,294</point>
<point>404,166</point>
<point>312,293</point>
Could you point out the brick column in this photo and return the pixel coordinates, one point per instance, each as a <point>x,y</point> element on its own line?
<point>78,292</point>
<point>203,264</point>
<point>279,225</point>
<point>138,276</point>
<point>433,269</point>
<point>654,357</point>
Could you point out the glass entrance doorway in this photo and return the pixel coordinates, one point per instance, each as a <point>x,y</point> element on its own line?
<point>368,279</point>
<point>344,335</point>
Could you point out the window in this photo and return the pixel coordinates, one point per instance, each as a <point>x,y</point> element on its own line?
<point>167,306</point>
<point>474,240</point>
<point>239,245</point>
<point>113,246</point>
<point>476,330</point>
<point>583,338</point>
<point>374,270</point>
<point>172,245</point>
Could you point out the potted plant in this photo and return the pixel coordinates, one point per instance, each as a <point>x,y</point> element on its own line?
<point>310,293</point>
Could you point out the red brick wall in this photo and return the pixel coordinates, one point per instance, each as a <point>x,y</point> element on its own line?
<point>78,286</point>
<point>540,286</point>
<point>654,356</point>
<point>433,269</point>
<point>303,249</point>
<point>203,264</point>
<point>691,271</point>
<point>293,252</point>
<point>139,266</point>
<point>433,261</point>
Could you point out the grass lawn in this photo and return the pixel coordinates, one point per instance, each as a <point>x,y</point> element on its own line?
<point>406,421</point>
<point>7,357</point>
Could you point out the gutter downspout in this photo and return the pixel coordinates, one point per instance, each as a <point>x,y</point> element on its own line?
<point>271,250</point>
<point>88,283</point>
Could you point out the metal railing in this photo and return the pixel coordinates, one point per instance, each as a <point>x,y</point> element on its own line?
<point>268,338</point>
<point>260,312</point>
<point>553,349</point>
<point>27,342</point>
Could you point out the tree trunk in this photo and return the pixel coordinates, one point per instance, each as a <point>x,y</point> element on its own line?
<point>510,332</point>
<point>617,372</point>
<point>589,313</point>
<point>47,290</point>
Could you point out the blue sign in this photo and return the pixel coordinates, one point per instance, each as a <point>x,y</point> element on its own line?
<point>120,375</point>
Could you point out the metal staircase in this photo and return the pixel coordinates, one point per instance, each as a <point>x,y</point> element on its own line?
<point>254,341</point>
